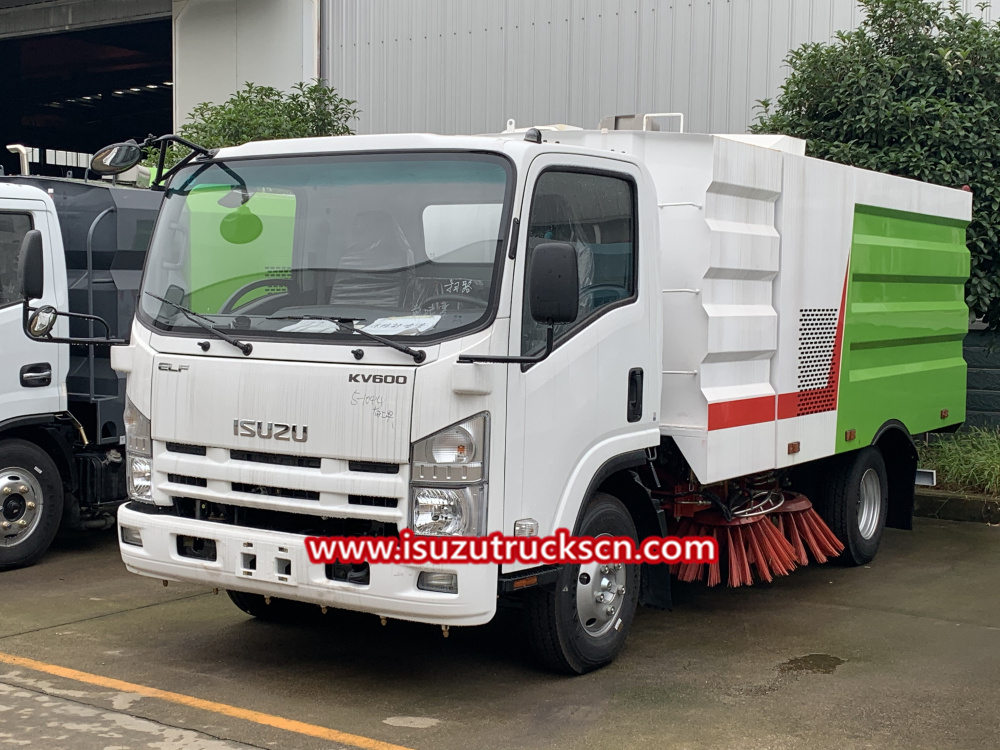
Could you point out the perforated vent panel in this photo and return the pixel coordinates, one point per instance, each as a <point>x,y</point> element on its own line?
<point>817,381</point>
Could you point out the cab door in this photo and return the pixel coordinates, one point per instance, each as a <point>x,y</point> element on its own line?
<point>30,374</point>
<point>595,399</point>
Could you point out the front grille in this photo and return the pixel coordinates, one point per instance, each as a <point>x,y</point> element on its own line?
<point>280,521</point>
<point>375,502</point>
<point>373,467</point>
<point>261,489</point>
<point>191,450</point>
<point>193,481</point>
<point>275,459</point>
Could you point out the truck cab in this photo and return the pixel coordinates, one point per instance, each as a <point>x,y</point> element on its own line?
<point>300,250</point>
<point>61,429</point>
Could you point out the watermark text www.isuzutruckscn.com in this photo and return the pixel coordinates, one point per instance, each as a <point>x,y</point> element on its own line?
<point>560,548</point>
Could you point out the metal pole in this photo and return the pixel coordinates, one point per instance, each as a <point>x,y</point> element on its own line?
<point>90,288</point>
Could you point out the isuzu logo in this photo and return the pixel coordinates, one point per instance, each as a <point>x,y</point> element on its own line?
<point>270,430</point>
<point>357,377</point>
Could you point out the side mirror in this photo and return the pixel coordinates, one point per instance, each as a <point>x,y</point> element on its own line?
<point>554,286</point>
<point>31,265</point>
<point>553,297</point>
<point>41,322</point>
<point>116,158</point>
<point>38,322</point>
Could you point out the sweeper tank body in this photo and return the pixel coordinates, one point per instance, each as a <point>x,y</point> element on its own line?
<point>805,304</point>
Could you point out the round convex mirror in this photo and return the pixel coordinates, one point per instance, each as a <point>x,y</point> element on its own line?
<point>116,158</point>
<point>41,321</point>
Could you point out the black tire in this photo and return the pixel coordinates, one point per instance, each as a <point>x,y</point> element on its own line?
<point>849,491</point>
<point>31,490</point>
<point>279,610</point>
<point>558,636</point>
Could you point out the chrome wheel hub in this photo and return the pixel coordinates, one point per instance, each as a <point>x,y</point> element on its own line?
<point>20,505</point>
<point>869,503</point>
<point>600,590</point>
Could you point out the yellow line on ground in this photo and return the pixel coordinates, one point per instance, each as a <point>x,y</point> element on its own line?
<point>279,722</point>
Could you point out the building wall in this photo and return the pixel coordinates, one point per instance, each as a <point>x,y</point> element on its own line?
<point>221,44</point>
<point>466,66</point>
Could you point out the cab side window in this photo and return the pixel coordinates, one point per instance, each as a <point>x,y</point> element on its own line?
<point>13,227</point>
<point>596,214</point>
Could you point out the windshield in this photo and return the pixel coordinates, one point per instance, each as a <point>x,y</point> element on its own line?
<point>398,245</point>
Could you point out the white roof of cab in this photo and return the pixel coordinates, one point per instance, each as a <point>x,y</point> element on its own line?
<point>391,142</point>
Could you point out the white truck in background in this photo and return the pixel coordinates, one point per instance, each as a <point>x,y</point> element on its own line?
<point>614,332</point>
<point>61,430</point>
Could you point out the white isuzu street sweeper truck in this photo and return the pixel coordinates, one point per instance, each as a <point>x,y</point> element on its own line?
<point>614,332</point>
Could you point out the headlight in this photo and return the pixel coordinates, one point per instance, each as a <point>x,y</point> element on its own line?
<point>448,480</point>
<point>449,511</point>
<point>138,454</point>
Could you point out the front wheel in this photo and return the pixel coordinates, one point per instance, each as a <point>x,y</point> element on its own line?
<point>856,504</point>
<point>31,503</point>
<point>581,624</point>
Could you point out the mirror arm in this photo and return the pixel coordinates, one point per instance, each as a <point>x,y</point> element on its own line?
<point>25,316</point>
<point>162,142</point>
<point>159,182</point>
<point>549,338</point>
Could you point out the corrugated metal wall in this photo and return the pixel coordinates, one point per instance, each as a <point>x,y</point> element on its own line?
<point>465,66</point>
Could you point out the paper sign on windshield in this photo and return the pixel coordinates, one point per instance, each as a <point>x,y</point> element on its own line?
<point>403,326</point>
<point>311,326</point>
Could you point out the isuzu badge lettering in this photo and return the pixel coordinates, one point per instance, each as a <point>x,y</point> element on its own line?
<point>270,430</point>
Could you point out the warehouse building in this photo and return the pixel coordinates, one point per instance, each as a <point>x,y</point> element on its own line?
<point>78,73</point>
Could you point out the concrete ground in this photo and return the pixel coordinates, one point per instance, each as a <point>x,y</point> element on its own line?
<point>904,653</point>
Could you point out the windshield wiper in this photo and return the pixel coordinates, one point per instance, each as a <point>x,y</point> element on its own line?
<point>205,322</point>
<point>419,355</point>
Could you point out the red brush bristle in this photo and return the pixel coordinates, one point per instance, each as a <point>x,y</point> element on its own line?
<point>731,556</point>
<point>751,533</point>
<point>805,529</point>
<point>744,577</point>
<point>776,549</point>
<point>682,529</point>
<point>824,536</point>
<point>791,532</point>
<point>715,568</point>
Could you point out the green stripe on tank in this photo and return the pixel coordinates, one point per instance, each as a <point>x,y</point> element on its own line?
<point>903,329</point>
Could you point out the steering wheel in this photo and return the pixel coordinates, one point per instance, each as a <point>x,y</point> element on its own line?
<point>230,304</point>
<point>589,291</point>
<point>453,298</point>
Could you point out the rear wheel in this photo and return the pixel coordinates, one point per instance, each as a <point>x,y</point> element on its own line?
<point>856,503</point>
<point>31,503</point>
<point>279,610</point>
<point>581,624</point>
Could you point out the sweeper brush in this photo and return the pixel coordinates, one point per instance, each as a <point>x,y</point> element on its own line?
<point>771,539</point>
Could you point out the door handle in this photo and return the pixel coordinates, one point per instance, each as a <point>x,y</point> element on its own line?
<point>37,375</point>
<point>634,411</point>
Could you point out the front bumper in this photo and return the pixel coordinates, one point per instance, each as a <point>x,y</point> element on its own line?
<point>282,569</point>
